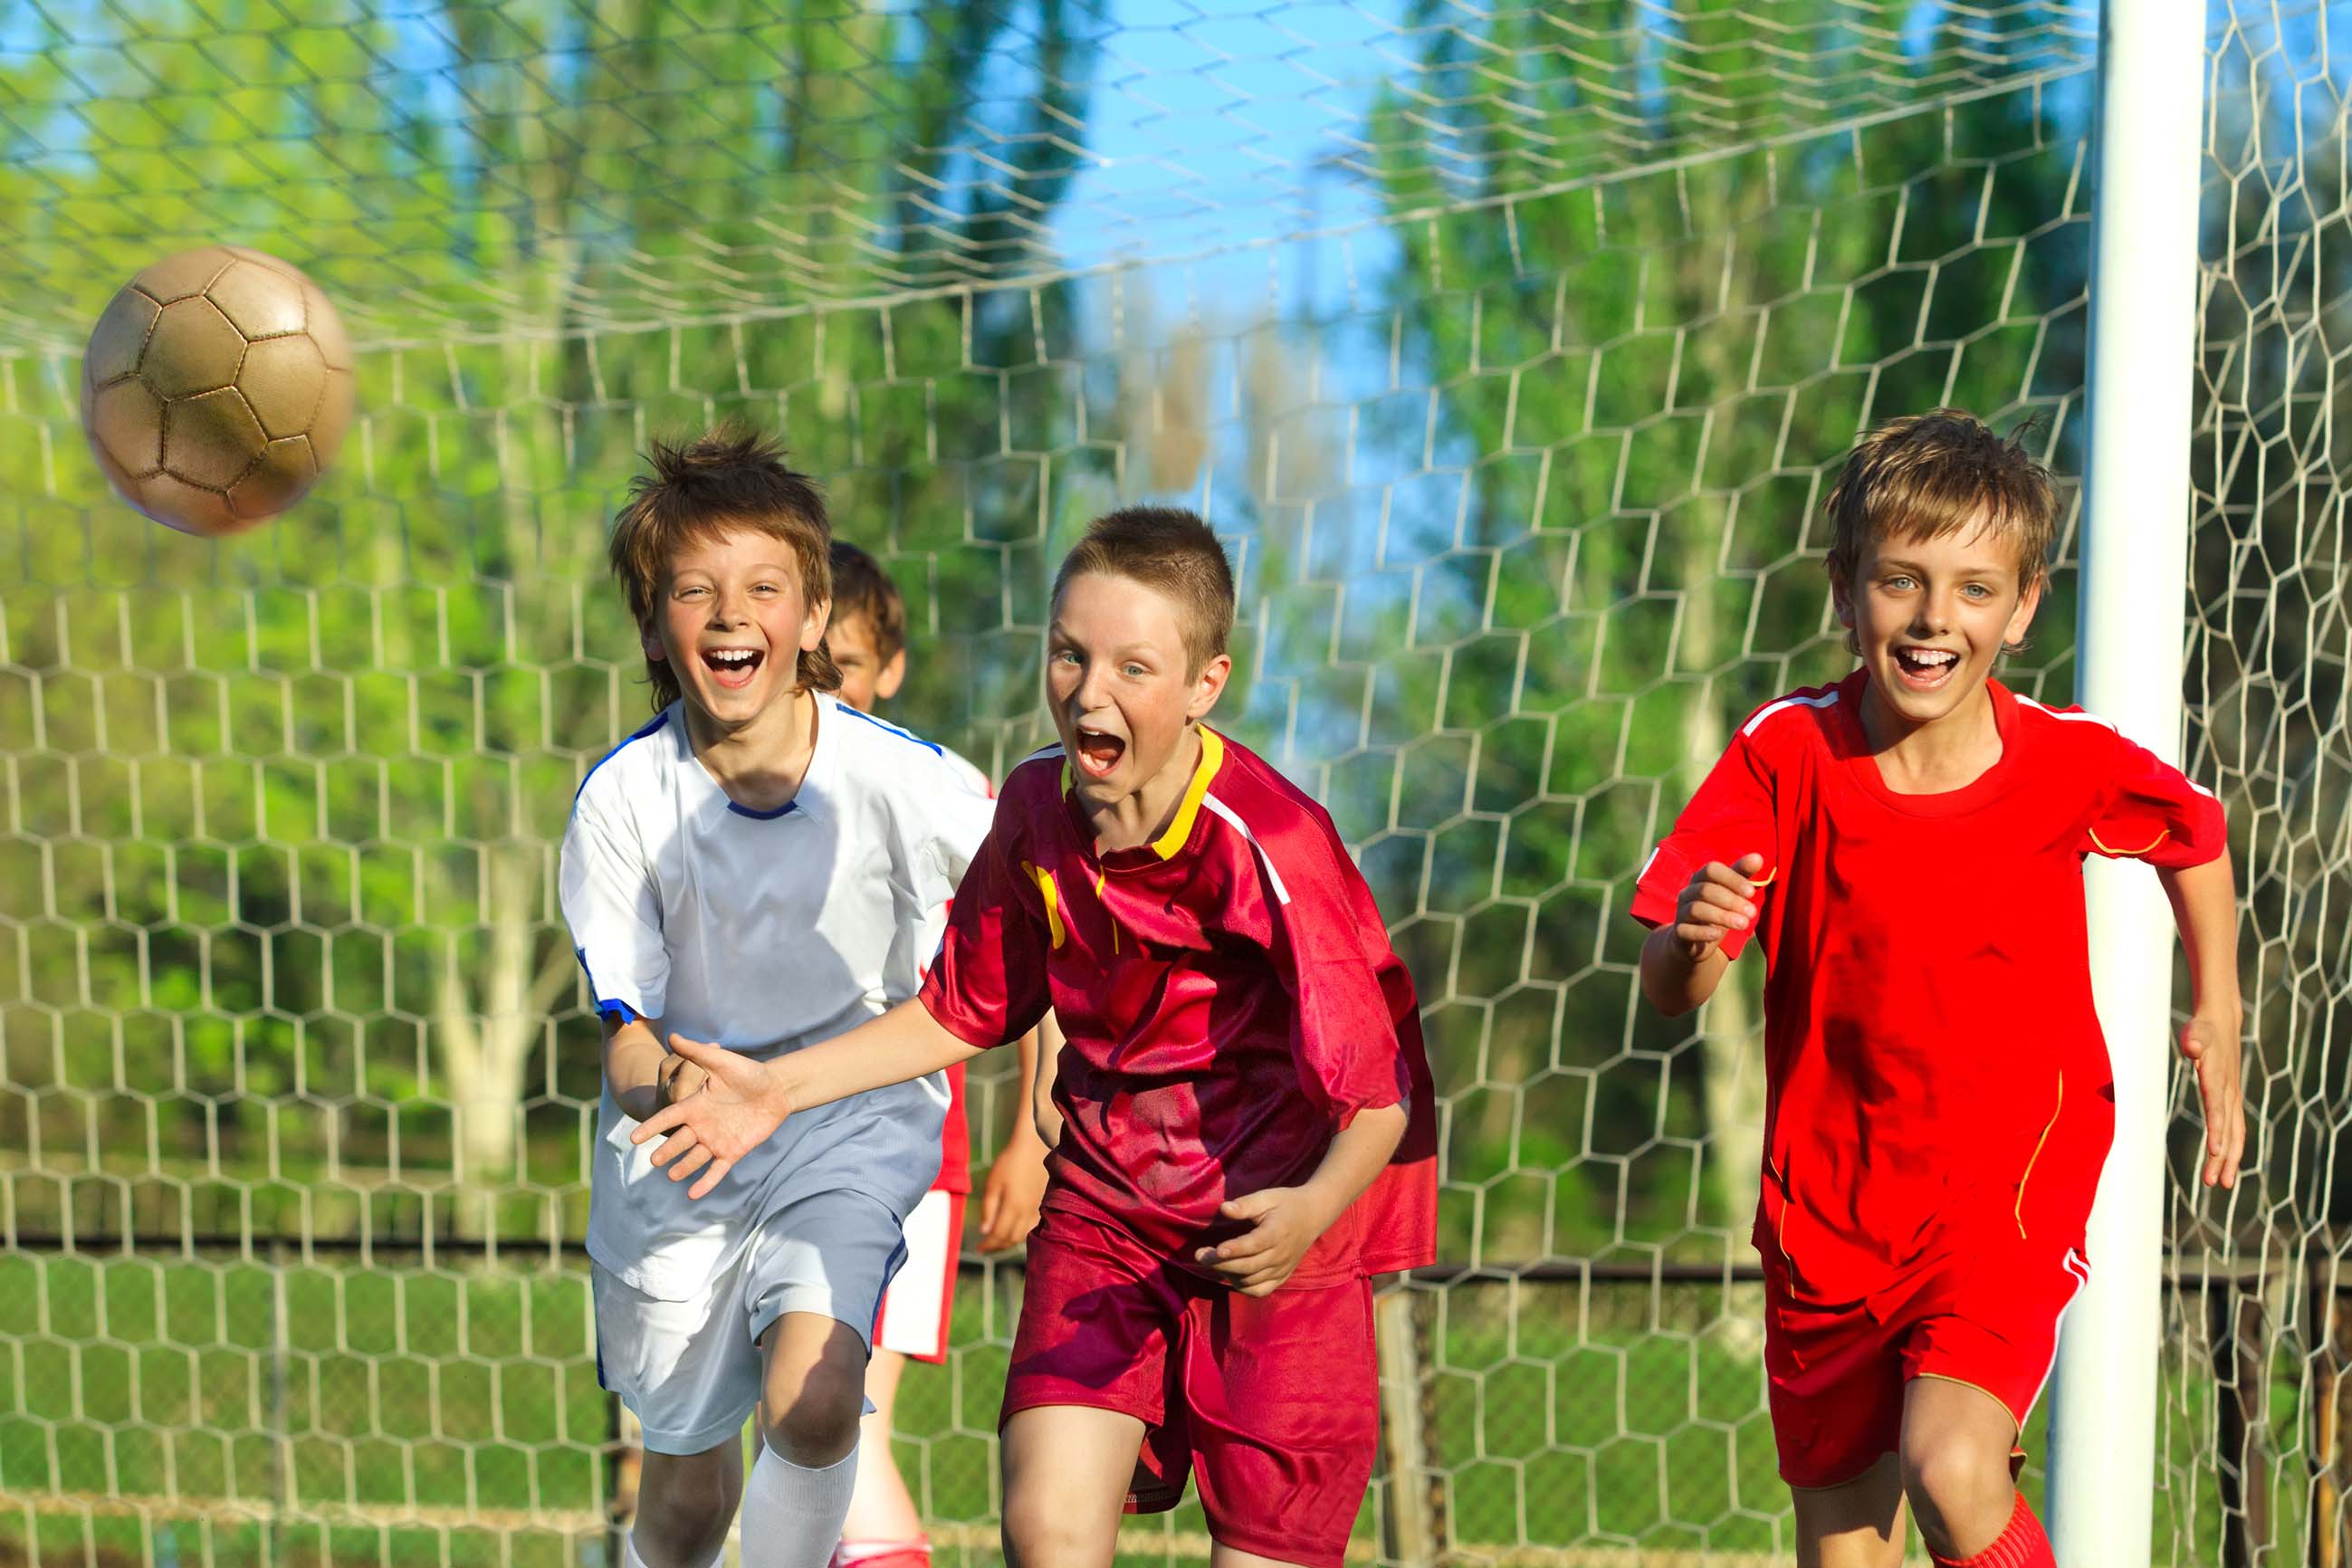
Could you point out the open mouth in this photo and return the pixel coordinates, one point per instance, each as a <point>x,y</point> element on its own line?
<point>1926,669</point>
<point>734,667</point>
<point>1098,753</point>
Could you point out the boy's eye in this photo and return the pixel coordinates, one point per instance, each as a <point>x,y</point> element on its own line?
<point>1133,670</point>
<point>1898,584</point>
<point>1976,591</point>
<point>1065,655</point>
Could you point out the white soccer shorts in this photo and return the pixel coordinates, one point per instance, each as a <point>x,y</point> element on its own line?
<point>691,1370</point>
<point>922,1297</point>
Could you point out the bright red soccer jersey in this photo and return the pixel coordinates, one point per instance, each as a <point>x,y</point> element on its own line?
<point>1932,1058</point>
<point>1230,1000</point>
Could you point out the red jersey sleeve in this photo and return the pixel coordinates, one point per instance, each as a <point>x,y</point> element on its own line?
<point>1343,1026</point>
<point>1732,814</point>
<point>987,985</point>
<point>2153,813</point>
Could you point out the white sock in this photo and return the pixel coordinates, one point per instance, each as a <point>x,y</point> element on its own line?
<point>631,1558</point>
<point>792,1515</point>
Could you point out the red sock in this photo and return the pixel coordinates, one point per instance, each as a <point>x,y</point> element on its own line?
<point>2021,1545</point>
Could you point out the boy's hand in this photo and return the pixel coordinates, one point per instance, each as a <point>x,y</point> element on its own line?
<point>1009,1199</point>
<point>1261,1259</point>
<point>737,1108</point>
<point>2211,1044</point>
<point>676,1078</point>
<point>1719,901</point>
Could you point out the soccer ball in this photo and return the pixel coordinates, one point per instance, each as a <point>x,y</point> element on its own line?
<point>216,387</point>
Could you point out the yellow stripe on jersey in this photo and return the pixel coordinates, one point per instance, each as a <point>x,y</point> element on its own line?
<point>1053,896</point>
<point>1212,757</point>
<point>2105,848</point>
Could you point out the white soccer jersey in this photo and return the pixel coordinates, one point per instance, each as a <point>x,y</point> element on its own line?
<point>763,931</point>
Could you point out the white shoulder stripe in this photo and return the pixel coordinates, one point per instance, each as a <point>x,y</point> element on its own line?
<point>2048,711</point>
<point>1281,893</point>
<point>1053,750</point>
<point>1823,700</point>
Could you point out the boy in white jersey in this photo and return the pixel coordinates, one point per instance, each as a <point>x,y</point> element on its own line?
<point>757,851</point>
<point>867,636</point>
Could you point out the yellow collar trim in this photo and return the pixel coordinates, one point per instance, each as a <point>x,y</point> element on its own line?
<point>1212,757</point>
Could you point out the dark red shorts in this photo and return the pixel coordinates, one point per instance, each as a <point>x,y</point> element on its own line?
<point>1272,1402</point>
<point>1836,1374</point>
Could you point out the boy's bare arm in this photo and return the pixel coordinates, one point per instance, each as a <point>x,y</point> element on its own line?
<point>644,1076</point>
<point>1045,1117</point>
<point>1289,1219</point>
<point>1682,962</point>
<point>746,1100</point>
<point>2205,906</point>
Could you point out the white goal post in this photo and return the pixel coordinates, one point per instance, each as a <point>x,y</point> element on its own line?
<point>2143,322</point>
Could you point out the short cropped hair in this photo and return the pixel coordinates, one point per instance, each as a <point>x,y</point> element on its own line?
<point>1169,550</point>
<point>730,477</point>
<point>1929,476</point>
<point>863,591</point>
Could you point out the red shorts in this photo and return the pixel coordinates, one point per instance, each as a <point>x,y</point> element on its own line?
<point>1836,1374</point>
<point>1273,1402</point>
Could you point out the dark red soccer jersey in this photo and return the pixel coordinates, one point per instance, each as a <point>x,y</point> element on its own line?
<point>1933,1060</point>
<point>1229,1000</point>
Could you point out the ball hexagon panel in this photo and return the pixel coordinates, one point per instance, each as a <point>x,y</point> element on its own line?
<point>211,439</point>
<point>284,379</point>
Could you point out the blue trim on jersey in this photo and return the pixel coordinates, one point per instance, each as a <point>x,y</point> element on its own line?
<point>652,725</point>
<point>932,746</point>
<point>740,809</point>
<point>606,1007</point>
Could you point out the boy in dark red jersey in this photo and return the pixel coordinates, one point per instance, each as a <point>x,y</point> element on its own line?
<point>1247,1129</point>
<point>1908,846</point>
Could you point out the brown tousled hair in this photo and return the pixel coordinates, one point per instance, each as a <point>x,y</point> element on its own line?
<point>1169,550</point>
<point>1929,476</point>
<point>863,591</point>
<point>727,478</point>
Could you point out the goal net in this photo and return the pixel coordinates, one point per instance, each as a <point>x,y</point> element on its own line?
<point>1510,350</point>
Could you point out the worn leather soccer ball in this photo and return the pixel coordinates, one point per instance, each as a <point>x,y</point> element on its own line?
<point>216,387</point>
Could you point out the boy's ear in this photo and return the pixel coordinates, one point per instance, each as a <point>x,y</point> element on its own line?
<point>650,640</point>
<point>1842,600</point>
<point>820,614</point>
<point>1207,686</point>
<point>2031,601</point>
<point>894,674</point>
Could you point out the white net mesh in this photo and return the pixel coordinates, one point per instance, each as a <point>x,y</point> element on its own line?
<point>1508,349</point>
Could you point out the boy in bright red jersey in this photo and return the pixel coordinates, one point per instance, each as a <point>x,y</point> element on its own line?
<point>1908,846</point>
<point>1247,1129</point>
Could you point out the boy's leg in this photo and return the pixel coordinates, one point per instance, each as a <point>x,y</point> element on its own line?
<point>813,1281</point>
<point>1957,1444</point>
<point>684,1503</point>
<point>1857,1525</point>
<point>798,1493</point>
<point>1067,1469</point>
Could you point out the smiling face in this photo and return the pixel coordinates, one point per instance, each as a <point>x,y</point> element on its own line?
<point>731,620</point>
<point>1119,680</point>
<point>1931,615</point>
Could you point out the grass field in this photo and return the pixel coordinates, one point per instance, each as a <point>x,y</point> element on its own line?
<point>228,1410</point>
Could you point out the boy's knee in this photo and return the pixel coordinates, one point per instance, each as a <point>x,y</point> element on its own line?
<point>1954,1476</point>
<point>812,1419</point>
<point>1041,1532</point>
